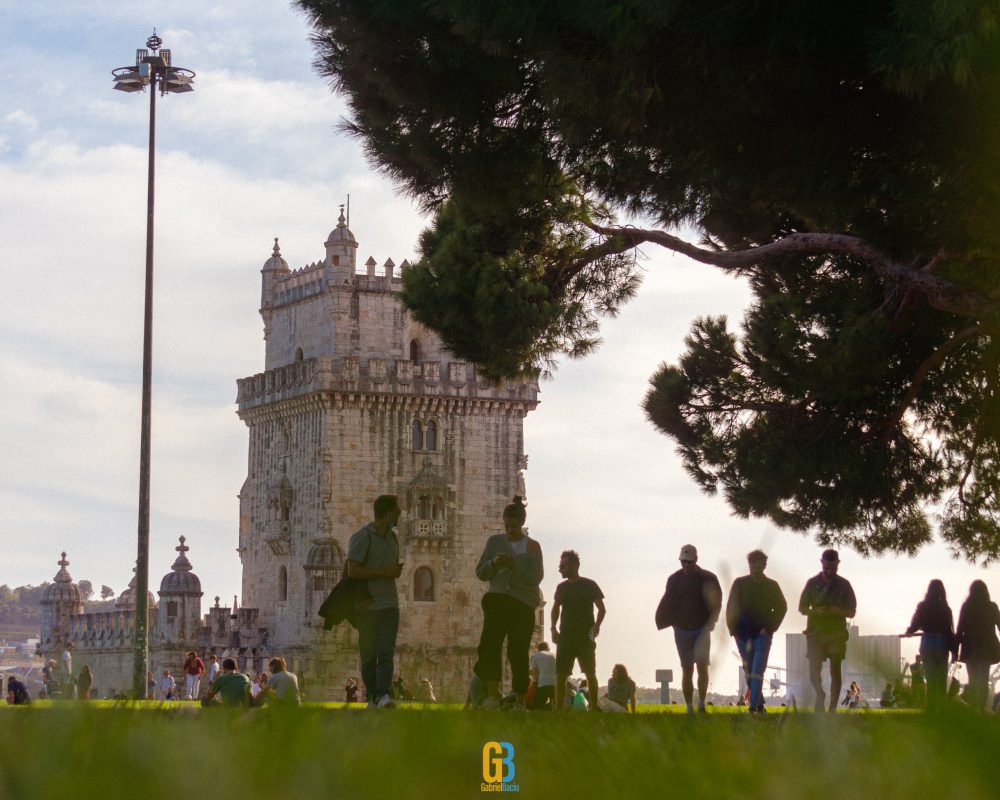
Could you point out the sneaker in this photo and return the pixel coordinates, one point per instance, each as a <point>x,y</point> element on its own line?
<point>490,703</point>
<point>385,701</point>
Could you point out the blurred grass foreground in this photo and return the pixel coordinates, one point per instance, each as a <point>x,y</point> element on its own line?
<point>180,750</point>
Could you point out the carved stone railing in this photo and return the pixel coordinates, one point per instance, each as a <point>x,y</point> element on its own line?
<point>376,375</point>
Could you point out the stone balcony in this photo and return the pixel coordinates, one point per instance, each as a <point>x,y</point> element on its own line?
<point>376,376</point>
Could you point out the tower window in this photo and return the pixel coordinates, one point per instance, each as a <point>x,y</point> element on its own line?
<point>423,508</point>
<point>171,608</point>
<point>282,583</point>
<point>437,509</point>
<point>417,436</point>
<point>423,585</point>
<point>298,353</point>
<point>414,350</point>
<point>430,438</point>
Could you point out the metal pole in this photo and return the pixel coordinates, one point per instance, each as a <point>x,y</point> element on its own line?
<point>142,558</point>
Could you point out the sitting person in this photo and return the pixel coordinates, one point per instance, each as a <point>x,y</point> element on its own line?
<point>17,692</point>
<point>232,686</point>
<point>282,687</point>
<point>621,688</point>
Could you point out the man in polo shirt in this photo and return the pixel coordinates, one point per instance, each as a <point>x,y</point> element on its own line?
<point>827,601</point>
<point>691,604</point>
<point>576,597</point>
<point>755,609</point>
<point>373,555</point>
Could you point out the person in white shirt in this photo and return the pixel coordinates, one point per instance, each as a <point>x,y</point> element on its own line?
<point>542,668</point>
<point>167,686</point>
<point>213,669</point>
<point>282,687</point>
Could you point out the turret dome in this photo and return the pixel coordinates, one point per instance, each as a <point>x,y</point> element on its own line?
<point>276,263</point>
<point>62,589</point>
<point>180,580</point>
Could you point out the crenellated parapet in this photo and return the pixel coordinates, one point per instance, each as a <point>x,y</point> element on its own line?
<point>377,375</point>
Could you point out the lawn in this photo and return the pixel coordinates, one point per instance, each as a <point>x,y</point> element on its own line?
<point>181,751</point>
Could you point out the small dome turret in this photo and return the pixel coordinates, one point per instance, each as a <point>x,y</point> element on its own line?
<point>126,600</point>
<point>62,589</point>
<point>276,263</point>
<point>180,580</point>
<point>341,246</point>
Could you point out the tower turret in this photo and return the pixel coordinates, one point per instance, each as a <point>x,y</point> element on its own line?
<point>179,612</point>
<point>341,247</point>
<point>273,268</point>
<point>62,600</point>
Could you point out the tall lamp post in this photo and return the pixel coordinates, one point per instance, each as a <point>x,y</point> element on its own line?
<point>152,69</point>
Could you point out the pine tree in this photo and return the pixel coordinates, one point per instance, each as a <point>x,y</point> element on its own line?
<point>844,158</point>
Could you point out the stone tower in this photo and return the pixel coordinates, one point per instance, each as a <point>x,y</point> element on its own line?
<point>357,399</point>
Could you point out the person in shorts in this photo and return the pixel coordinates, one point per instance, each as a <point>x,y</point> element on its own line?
<point>542,668</point>
<point>691,604</point>
<point>576,636</point>
<point>827,601</point>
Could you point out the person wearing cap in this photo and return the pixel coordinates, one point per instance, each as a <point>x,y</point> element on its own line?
<point>691,605</point>
<point>755,609</point>
<point>827,601</point>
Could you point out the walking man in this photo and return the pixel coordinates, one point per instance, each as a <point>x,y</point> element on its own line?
<point>193,669</point>
<point>373,556</point>
<point>542,668</point>
<point>576,638</point>
<point>755,609</point>
<point>827,601</point>
<point>691,604</point>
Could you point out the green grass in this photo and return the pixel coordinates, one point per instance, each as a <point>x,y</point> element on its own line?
<point>181,751</point>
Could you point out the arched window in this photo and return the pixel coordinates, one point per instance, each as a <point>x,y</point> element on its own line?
<point>414,350</point>
<point>282,583</point>
<point>298,353</point>
<point>417,436</point>
<point>437,508</point>
<point>423,585</point>
<point>423,507</point>
<point>171,608</point>
<point>430,437</point>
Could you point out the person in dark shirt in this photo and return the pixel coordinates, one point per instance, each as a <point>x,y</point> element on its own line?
<point>17,692</point>
<point>691,604</point>
<point>575,600</point>
<point>933,619</point>
<point>979,648</point>
<point>755,609</point>
<point>827,601</point>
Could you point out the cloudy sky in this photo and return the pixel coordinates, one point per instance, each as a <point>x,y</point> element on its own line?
<point>252,154</point>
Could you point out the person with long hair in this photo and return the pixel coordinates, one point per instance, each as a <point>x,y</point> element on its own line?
<point>978,645</point>
<point>933,620</point>
<point>621,688</point>
<point>512,564</point>
<point>84,683</point>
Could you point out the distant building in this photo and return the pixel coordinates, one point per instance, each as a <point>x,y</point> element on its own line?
<point>356,399</point>
<point>871,661</point>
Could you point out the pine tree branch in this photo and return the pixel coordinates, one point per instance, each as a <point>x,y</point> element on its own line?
<point>940,293</point>
<point>932,361</point>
